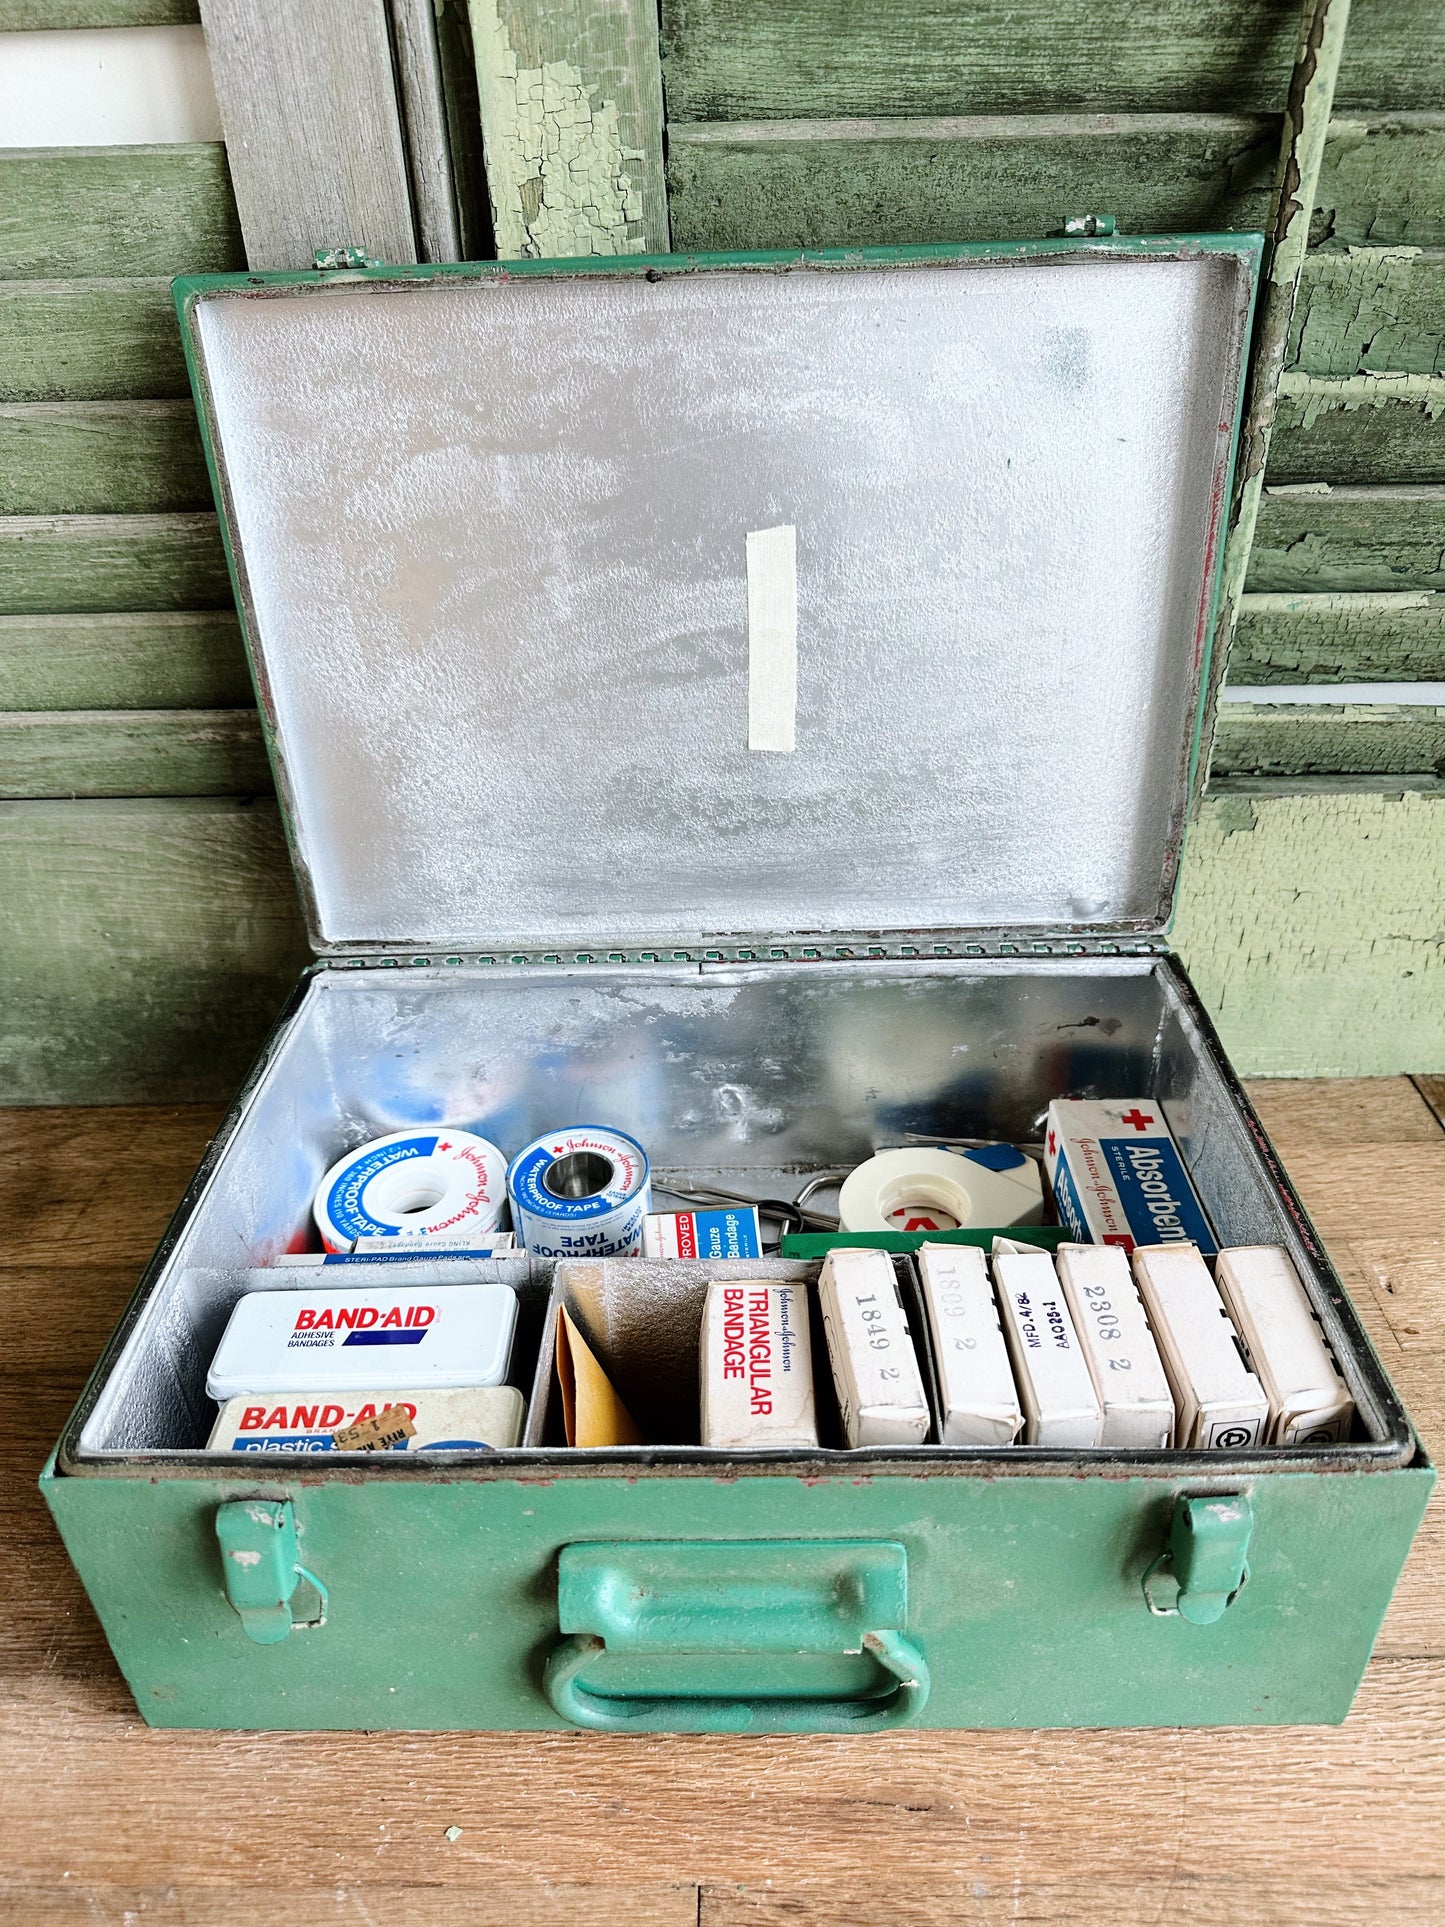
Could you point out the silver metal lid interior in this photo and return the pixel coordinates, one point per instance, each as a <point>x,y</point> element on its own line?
<point>491,534</point>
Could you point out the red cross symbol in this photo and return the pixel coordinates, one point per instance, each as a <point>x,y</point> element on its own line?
<point>1053,1142</point>
<point>1140,1120</point>
<point>444,1147</point>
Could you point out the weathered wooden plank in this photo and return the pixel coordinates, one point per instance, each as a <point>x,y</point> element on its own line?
<point>859,183</point>
<point>117,211</point>
<point>1310,923</point>
<point>78,564</point>
<point>1328,739</point>
<point>146,942</point>
<point>101,340</point>
<point>1359,428</point>
<point>900,180</point>
<point>1339,638</point>
<point>145,947</point>
<point>308,101</point>
<point>1382,183</point>
<point>192,660</point>
<point>570,96</point>
<point>503,1903</point>
<point>735,60</point>
<point>425,130</point>
<point>1317,538</point>
<point>457,60</point>
<point>1432,1089</point>
<point>132,752</point>
<point>101,458</point>
<point>21,16</point>
<point>730,60</point>
<point>1368,310</point>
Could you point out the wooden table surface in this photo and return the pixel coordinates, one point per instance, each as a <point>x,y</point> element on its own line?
<point>102,1820</point>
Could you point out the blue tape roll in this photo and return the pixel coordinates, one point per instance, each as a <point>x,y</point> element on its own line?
<point>581,1193</point>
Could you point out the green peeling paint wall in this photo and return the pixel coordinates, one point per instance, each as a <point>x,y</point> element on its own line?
<point>149,927</point>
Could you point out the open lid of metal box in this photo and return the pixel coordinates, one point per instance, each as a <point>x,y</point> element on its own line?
<point>526,680</point>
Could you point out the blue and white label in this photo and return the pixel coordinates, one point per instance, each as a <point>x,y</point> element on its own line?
<point>412,1184</point>
<point>1156,1194</point>
<point>733,1232</point>
<point>580,1193</point>
<point>1066,1196</point>
<point>1118,1177</point>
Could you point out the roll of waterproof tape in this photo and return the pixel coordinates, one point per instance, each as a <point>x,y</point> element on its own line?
<point>922,1189</point>
<point>413,1183</point>
<point>582,1193</point>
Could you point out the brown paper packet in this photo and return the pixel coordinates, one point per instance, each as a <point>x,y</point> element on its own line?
<point>592,1412</point>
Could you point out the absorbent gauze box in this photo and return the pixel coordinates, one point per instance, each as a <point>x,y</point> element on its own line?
<point>477,1418</point>
<point>975,1379</point>
<point>1219,1404</point>
<point>1309,1403</point>
<point>875,1368</point>
<point>1060,1405</point>
<point>756,1368</point>
<point>1118,1177</point>
<point>365,1339</point>
<point>1128,1373</point>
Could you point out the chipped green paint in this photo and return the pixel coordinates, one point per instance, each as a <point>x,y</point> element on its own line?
<point>1329,739</point>
<point>1315,537</point>
<point>1339,638</point>
<point>1370,311</point>
<point>1359,428</point>
<point>1383,183</point>
<point>1318,395</point>
<point>568,147</point>
<point>1311,921</point>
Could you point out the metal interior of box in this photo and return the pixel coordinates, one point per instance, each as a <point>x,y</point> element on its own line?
<point>750,1077</point>
<point>489,529</point>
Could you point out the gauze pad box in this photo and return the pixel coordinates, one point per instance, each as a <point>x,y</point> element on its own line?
<point>1309,1403</point>
<point>980,1402</point>
<point>1219,1404</point>
<point>875,1368</point>
<point>365,1340</point>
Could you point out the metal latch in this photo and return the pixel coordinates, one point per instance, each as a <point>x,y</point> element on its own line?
<point>1088,224</point>
<point>261,1561</point>
<point>1207,1558</point>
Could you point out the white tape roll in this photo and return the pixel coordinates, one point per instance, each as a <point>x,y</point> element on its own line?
<point>933,1190</point>
<point>411,1184</point>
<point>581,1193</point>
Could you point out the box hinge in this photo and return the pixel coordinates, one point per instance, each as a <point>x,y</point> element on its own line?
<point>887,947</point>
<point>1100,225</point>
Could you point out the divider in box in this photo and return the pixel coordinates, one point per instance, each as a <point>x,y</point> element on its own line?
<point>642,1318</point>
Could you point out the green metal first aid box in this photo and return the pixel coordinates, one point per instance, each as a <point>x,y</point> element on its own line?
<point>583,838</point>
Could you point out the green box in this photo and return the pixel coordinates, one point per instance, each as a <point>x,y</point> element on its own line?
<point>487,530</point>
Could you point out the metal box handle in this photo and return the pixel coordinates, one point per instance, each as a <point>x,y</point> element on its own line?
<point>670,1625</point>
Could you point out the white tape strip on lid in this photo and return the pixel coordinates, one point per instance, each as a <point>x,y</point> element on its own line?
<point>1398,695</point>
<point>772,637</point>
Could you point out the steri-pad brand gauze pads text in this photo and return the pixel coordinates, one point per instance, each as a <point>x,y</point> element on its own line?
<point>1118,1177</point>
